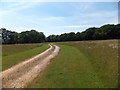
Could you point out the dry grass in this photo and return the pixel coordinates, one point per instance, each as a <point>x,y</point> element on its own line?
<point>103,55</point>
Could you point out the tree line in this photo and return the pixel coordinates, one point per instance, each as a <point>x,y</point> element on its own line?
<point>33,36</point>
<point>109,31</point>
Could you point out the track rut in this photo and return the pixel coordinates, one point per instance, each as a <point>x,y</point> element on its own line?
<point>20,75</point>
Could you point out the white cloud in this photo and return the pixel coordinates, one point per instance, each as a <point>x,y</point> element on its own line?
<point>77,26</point>
<point>102,14</point>
<point>13,7</point>
<point>72,26</point>
<point>54,24</point>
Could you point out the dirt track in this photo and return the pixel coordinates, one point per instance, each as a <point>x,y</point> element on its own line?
<point>20,75</point>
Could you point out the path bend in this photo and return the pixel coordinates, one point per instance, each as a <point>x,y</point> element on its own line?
<point>20,75</point>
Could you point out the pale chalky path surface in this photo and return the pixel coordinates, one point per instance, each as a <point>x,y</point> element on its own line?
<point>20,75</point>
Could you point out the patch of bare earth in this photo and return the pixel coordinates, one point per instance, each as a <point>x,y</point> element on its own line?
<point>20,75</point>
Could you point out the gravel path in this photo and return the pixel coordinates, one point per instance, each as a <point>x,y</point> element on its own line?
<point>20,75</point>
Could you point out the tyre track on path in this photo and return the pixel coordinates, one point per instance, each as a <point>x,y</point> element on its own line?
<point>20,75</point>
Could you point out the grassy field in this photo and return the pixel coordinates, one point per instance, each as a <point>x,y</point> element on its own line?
<point>84,64</point>
<point>13,54</point>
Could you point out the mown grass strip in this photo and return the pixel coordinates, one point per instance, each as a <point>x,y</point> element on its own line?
<point>70,69</point>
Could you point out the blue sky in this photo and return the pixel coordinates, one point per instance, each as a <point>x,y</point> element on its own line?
<point>57,17</point>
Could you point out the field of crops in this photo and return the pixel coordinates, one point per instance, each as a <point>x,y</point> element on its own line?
<point>83,64</point>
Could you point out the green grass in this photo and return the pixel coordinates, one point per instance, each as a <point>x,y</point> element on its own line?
<point>86,64</point>
<point>12,49</point>
<point>13,54</point>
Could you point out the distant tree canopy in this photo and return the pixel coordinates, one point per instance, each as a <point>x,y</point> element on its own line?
<point>109,31</point>
<point>10,37</point>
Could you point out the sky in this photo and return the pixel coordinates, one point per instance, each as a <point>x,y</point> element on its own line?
<point>57,17</point>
